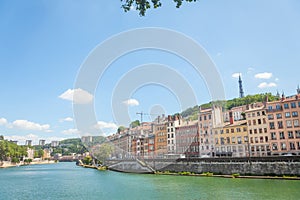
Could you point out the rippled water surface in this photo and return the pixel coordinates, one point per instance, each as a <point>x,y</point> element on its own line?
<point>67,181</point>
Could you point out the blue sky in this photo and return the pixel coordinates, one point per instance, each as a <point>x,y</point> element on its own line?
<point>43,43</point>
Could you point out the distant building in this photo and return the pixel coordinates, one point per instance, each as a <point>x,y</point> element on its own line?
<point>28,143</point>
<point>187,139</point>
<point>14,141</point>
<point>232,140</point>
<point>205,132</point>
<point>86,139</point>
<point>54,143</point>
<point>42,142</point>
<point>160,132</point>
<point>284,126</point>
<point>258,131</point>
<point>47,154</point>
<point>30,153</point>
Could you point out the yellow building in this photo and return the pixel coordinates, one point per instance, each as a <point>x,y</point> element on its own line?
<point>258,130</point>
<point>232,139</point>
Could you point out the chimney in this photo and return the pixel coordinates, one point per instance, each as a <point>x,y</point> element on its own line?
<point>230,117</point>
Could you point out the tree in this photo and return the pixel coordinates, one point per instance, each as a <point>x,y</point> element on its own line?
<point>135,123</point>
<point>87,160</point>
<point>143,5</point>
<point>104,151</point>
<point>120,129</point>
<point>1,137</point>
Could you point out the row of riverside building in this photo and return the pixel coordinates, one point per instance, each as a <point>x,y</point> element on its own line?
<point>254,130</point>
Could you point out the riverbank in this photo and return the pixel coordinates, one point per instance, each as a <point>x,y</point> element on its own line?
<point>208,174</point>
<point>7,164</point>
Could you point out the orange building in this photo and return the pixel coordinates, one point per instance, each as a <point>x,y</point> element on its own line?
<point>160,132</point>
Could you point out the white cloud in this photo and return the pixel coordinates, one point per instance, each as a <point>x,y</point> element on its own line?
<point>67,119</point>
<point>219,54</point>
<point>276,79</point>
<point>131,102</point>
<point>3,121</point>
<point>71,131</point>
<point>250,70</point>
<point>235,75</point>
<point>102,124</point>
<point>265,75</point>
<point>27,125</point>
<point>77,96</point>
<point>267,85</point>
<point>108,128</point>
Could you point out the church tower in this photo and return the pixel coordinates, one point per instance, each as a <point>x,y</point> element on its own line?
<point>241,87</point>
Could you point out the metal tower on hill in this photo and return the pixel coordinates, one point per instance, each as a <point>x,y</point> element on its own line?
<point>241,87</point>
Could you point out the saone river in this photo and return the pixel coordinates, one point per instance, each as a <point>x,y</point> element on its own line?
<point>68,181</point>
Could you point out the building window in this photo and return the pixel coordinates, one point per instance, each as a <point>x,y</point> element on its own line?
<point>293,105</point>
<point>246,138</point>
<point>270,108</point>
<point>278,107</point>
<point>265,130</point>
<point>200,118</point>
<point>299,104</point>
<point>272,126</point>
<point>295,114</point>
<point>233,139</point>
<point>264,121</point>
<point>259,121</point>
<point>261,139</point>
<point>217,141</point>
<point>253,114</point>
<point>239,140</point>
<point>255,130</point>
<point>287,114</point>
<point>286,106</point>
<point>298,144</point>
<point>260,130</point>
<point>283,146</point>
<point>281,135</point>
<point>221,131</point>
<point>250,131</point>
<point>238,129</point>
<point>297,133</point>
<point>296,123</point>
<point>222,141</point>
<point>278,116</point>
<point>274,146</point>
<point>256,139</point>
<point>245,129</point>
<point>254,122</point>
<point>204,117</point>
<point>270,116</point>
<point>209,116</point>
<point>227,130</point>
<point>280,124</point>
<point>273,136</point>
<point>258,113</point>
<point>232,130</point>
<point>249,122</point>
<point>228,140</point>
<point>290,134</point>
<point>288,123</point>
<point>292,146</point>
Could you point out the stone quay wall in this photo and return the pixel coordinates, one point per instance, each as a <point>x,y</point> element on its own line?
<point>274,166</point>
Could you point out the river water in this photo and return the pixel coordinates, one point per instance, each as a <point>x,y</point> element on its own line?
<point>68,181</point>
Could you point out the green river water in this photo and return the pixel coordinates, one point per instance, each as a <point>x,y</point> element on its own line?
<point>68,181</point>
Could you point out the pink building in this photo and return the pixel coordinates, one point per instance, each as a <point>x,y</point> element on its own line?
<point>283,125</point>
